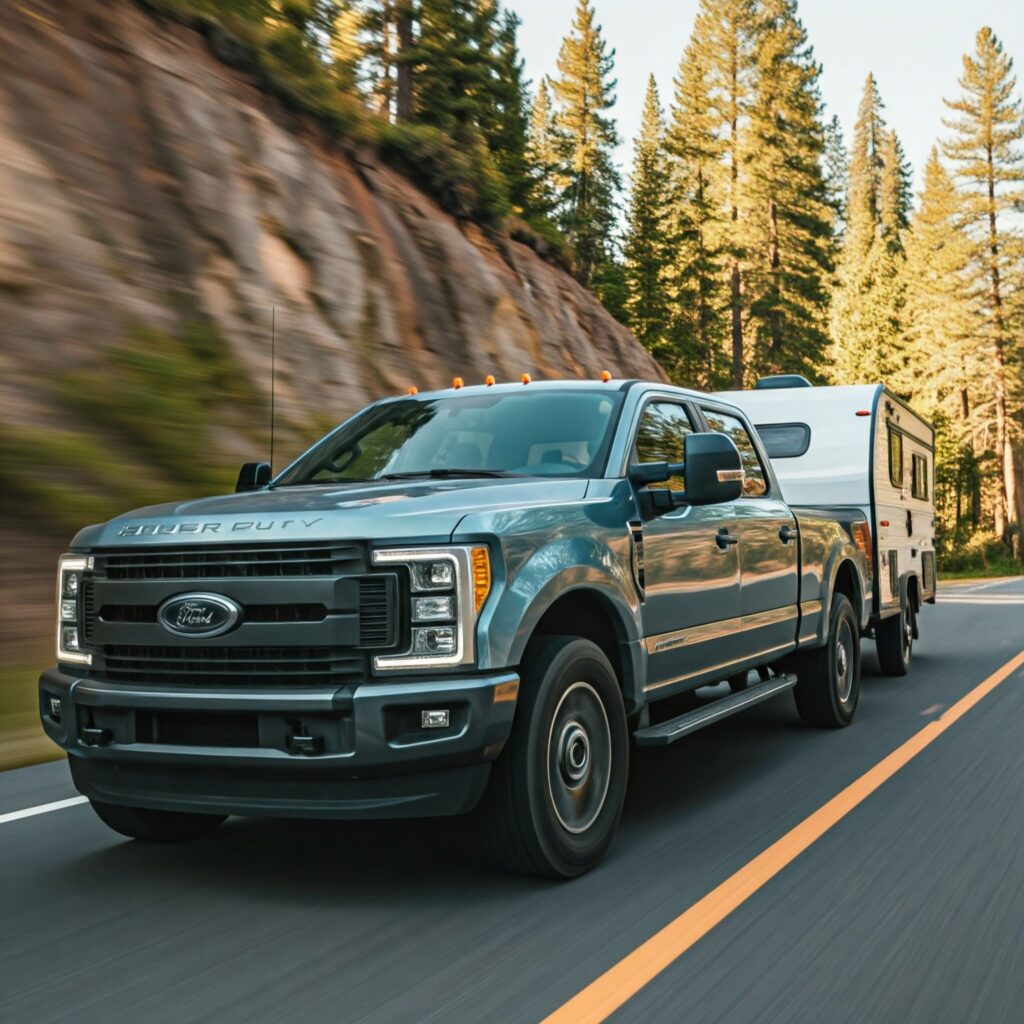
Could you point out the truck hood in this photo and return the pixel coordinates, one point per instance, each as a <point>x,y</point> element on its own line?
<point>402,510</point>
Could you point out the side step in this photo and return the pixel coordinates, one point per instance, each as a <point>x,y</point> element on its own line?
<point>664,733</point>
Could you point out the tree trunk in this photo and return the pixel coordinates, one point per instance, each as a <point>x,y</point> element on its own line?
<point>403,95</point>
<point>737,326</point>
<point>1004,507</point>
<point>775,265</point>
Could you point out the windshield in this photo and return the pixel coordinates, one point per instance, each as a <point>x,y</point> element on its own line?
<point>539,433</point>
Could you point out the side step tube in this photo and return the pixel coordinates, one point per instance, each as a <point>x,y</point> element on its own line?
<point>664,733</point>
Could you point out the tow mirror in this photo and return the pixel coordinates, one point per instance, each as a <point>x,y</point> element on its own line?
<point>712,469</point>
<point>253,476</point>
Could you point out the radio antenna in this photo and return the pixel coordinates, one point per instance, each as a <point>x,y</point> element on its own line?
<point>273,379</point>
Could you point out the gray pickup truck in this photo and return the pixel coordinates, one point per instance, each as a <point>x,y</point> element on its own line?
<point>480,597</point>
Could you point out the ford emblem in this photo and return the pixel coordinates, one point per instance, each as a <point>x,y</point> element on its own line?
<point>198,615</point>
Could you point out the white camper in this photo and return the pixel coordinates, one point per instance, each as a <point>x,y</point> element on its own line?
<point>862,446</point>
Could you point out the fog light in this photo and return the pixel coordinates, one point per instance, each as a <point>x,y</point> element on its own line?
<point>436,719</point>
<point>72,581</point>
<point>69,638</point>
<point>69,610</point>
<point>438,575</point>
<point>433,609</point>
<point>434,640</point>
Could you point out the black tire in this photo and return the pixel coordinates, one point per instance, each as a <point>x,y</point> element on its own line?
<point>556,793</point>
<point>828,678</point>
<point>156,826</point>
<point>894,640</point>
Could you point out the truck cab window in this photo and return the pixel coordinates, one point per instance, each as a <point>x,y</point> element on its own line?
<point>919,479</point>
<point>895,457</point>
<point>660,437</point>
<point>754,483</point>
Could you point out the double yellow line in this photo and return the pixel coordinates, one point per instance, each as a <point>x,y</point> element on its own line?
<point>606,994</point>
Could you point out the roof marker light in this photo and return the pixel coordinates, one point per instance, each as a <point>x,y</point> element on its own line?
<point>605,376</point>
<point>489,380</point>
<point>413,390</point>
<point>863,412</point>
<point>526,378</point>
<point>457,382</point>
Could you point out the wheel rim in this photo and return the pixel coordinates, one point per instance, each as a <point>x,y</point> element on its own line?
<point>844,662</point>
<point>579,758</point>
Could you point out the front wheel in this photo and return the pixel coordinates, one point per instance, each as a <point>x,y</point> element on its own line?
<point>156,826</point>
<point>557,791</point>
<point>828,678</point>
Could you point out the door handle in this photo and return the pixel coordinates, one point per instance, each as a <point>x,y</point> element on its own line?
<point>725,539</point>
<point>787,533</point>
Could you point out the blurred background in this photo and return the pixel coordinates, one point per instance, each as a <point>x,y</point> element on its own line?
<point>391,187</point>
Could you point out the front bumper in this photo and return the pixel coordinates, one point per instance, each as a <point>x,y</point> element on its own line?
<point>354,752</point>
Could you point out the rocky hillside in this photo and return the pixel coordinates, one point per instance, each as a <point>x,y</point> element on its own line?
<point>155,207</point>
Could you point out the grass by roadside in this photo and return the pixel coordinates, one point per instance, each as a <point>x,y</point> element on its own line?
<point>22,740</point>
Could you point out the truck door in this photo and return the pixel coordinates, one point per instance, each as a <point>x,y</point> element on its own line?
<point>768,549</point>
<point>691,564</point>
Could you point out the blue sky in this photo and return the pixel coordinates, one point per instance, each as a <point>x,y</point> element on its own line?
<point>913,46</point>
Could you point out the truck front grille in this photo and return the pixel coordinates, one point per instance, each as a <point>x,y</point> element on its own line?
<point>227,561</point>
<point>230,666</point>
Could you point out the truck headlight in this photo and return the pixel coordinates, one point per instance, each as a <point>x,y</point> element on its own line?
<point>70,569</point>
<point>449,587</point>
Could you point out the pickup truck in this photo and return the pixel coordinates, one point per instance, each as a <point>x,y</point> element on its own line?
<point>477,598</point>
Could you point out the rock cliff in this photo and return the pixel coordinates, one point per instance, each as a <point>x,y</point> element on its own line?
<point>155,207</point>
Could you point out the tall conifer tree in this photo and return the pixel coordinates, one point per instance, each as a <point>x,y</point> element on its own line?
<point>585,92</point>
<point>790,221</point>
<point>695,275</point>
<point>986,148</point>
<point>646,244</point>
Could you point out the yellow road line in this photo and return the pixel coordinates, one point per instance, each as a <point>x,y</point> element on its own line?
<point>606,994</point>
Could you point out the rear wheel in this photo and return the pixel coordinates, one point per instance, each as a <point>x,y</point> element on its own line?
<point>894,640</point>
<point>828,678</point>
<point>557,791</point>
<point>156,826</point>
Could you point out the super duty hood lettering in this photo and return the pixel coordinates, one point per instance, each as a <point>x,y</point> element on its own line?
<point>163,529</point>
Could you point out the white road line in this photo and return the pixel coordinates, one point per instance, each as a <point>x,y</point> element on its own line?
<point>981,599</point>
<point>28,812</point>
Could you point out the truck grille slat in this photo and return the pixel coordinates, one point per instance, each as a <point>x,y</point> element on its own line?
<point>228,560</point>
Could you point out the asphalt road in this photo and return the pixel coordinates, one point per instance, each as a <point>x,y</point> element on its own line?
<point>910,909</point>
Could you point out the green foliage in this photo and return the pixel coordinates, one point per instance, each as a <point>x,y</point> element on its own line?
<point>586,138</point>
<point>647,249</point>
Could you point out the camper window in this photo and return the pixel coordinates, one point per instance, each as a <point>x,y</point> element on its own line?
<point>785,440</point>
<point>919,481</point>
<point>895,457</point>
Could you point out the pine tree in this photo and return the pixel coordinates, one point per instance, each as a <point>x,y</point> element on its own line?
<point>505,117</point>
<point>986,147</point>
<point>587,139</point>
<point>646,245</point>
<point>387,63</point>
<point>836,169</point>
<point>346,48</point>
<point>867,302</point>
<point>543,155</point>
<point>723,38</point>
<point>941,312</point>
<point>696,284</point>
<point>790,223</point>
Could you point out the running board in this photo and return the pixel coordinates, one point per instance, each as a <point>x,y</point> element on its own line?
<point>664,733</point>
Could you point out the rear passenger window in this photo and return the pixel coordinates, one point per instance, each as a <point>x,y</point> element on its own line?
<point>919,479</point>
<point>785,440</point>
<point>754,482</point>
<point>661,435</point>
<point>895,457</point>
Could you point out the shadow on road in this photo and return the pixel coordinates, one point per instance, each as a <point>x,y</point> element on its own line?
<point>370,863</point>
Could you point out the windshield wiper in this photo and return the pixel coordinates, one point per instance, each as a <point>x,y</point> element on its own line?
<point>443,474</point>
<point>325,483</point>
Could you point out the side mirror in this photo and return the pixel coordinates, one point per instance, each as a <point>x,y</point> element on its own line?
<point>252,477</point>
<point>714,470</point>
